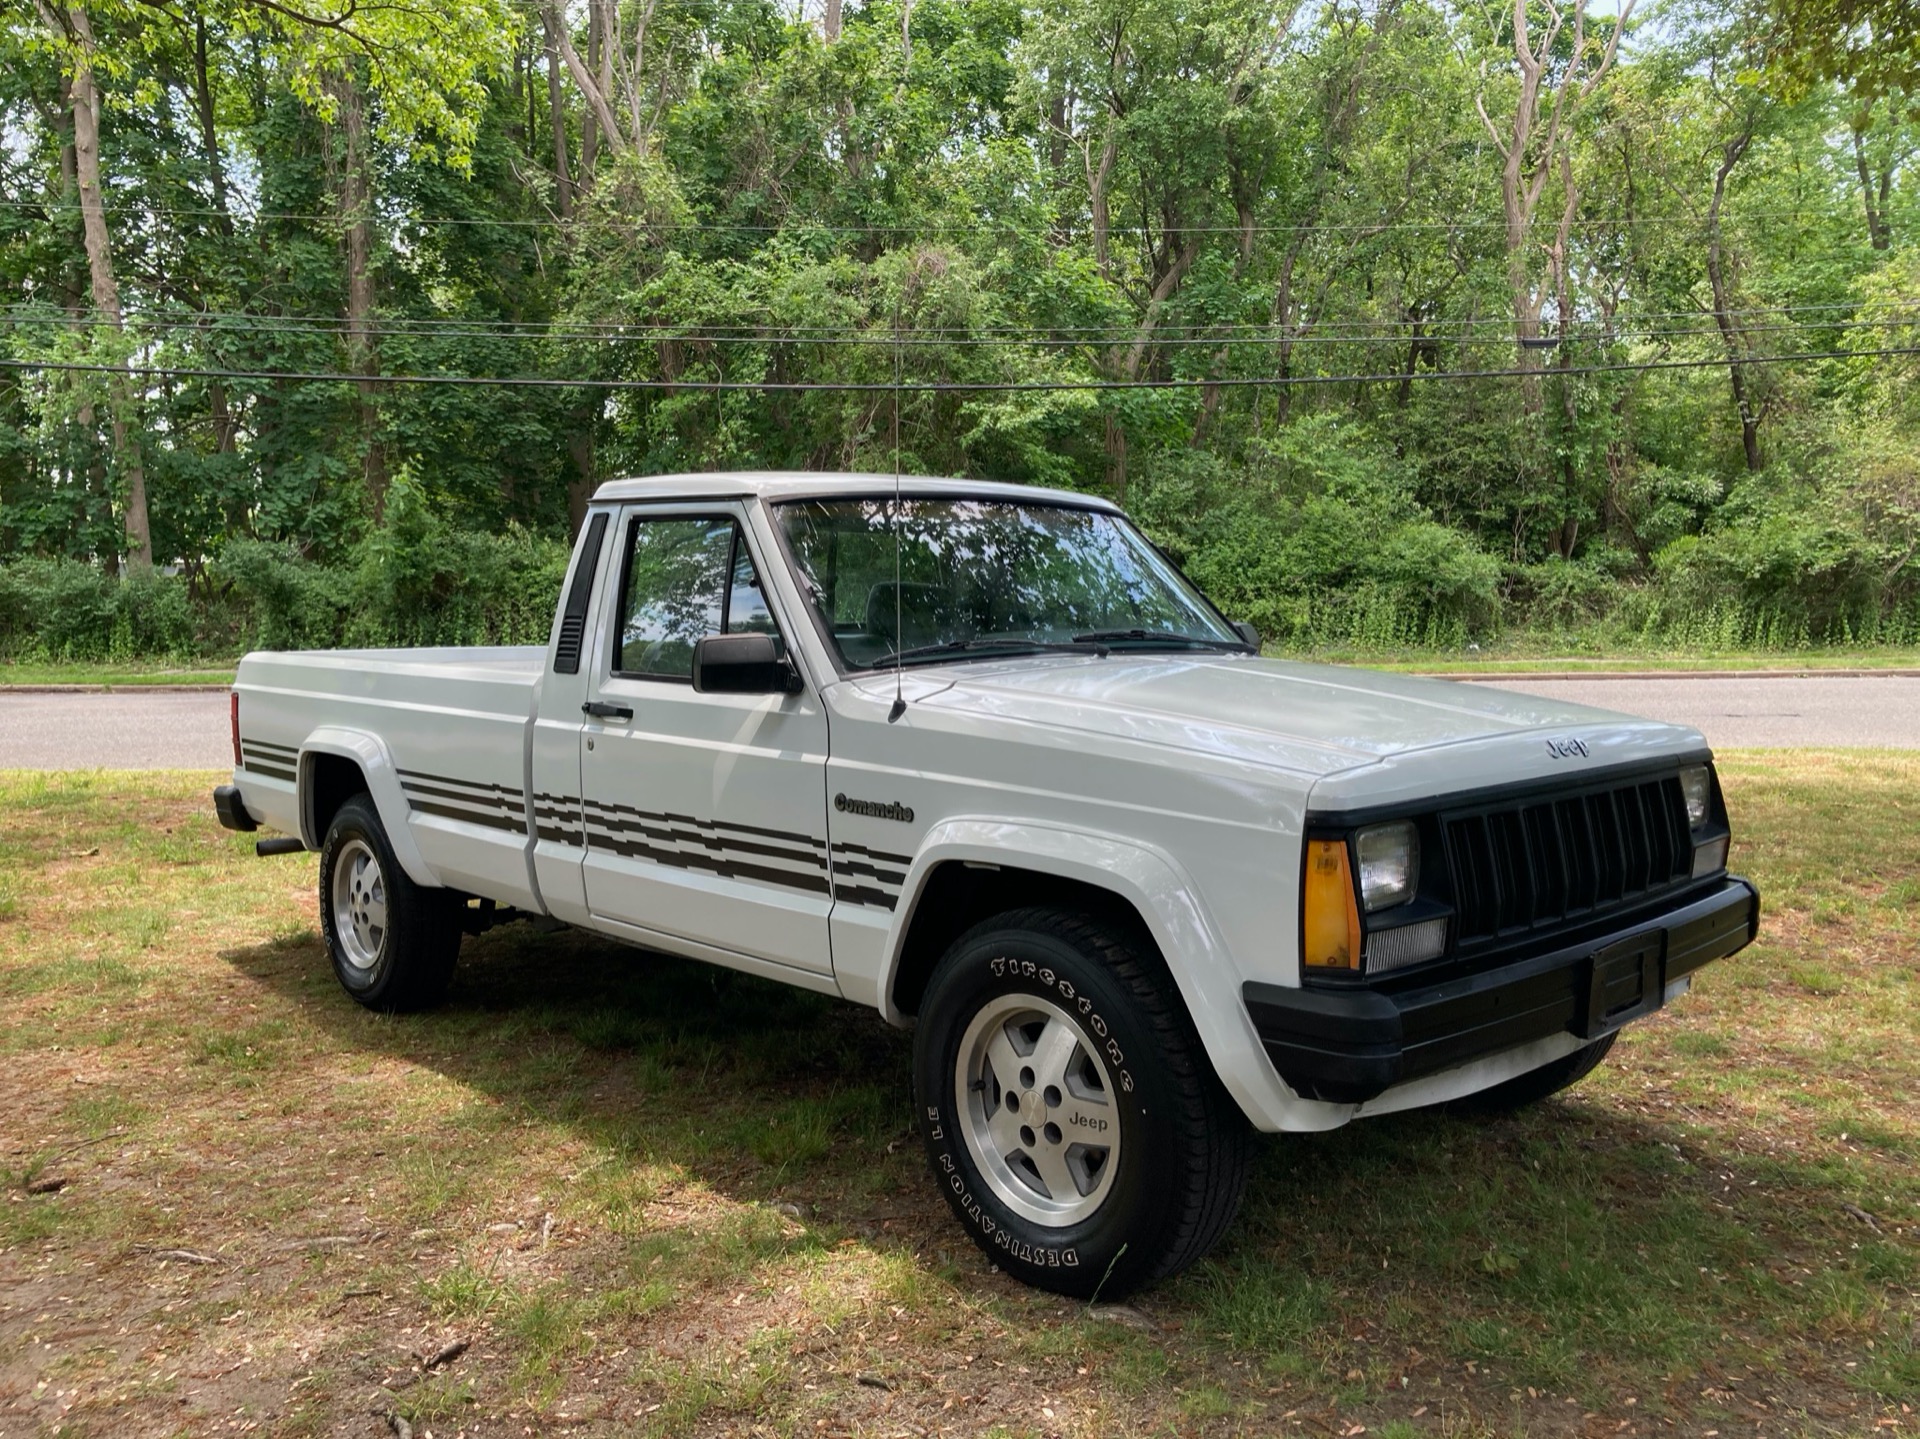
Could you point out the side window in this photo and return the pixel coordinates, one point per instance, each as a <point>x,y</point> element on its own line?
<point>686,577</point>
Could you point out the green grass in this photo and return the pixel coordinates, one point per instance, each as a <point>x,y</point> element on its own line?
<point>1515,653</point>
<point>662,1200</point>
<point>1556,655</point>
<point>115,672</point>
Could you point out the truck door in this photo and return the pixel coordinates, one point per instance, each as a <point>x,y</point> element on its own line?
<point>705,813</point>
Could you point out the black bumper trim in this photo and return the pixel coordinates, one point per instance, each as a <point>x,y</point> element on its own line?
<point>1351,1045</point>
<point>233,810</point>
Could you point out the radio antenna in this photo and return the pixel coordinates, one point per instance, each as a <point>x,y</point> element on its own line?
<point>899,635</point>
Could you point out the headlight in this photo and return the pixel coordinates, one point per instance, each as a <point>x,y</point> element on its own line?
<point>1696,783</point>
<point>1389,856</point>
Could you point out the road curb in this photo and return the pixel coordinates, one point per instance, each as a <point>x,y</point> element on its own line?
<point>1560,676</point>
<point>112,689</point>
<point>1464,676</point>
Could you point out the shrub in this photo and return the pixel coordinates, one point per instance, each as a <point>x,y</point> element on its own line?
<point>68,610</point>
<point>1317,540</point>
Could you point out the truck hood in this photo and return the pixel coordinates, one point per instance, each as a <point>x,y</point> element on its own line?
<point>1322,720</point>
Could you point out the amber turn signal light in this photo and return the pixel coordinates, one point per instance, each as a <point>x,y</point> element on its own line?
<point>1330,920</point>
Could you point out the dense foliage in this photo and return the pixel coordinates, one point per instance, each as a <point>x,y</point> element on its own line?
<point>1397,321</point>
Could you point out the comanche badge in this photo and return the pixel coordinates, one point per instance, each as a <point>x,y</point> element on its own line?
<point>873,808</point>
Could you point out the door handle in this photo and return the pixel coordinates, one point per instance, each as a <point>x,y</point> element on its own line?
<point>600,709</point>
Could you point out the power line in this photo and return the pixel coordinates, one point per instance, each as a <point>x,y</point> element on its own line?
<point>796,227</point>
<point>952,386</point>
<point>588,327</point>
<point>1490,331</point>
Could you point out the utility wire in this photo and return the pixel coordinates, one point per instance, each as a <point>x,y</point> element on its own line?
<point>1434,328</point>
<point>952,386</point>
<point>1490,332</point>
<point>801,227</point>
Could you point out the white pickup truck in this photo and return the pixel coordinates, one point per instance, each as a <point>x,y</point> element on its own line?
<point>979,756</point>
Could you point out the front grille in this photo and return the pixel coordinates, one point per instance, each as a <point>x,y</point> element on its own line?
<point>1542,863</point>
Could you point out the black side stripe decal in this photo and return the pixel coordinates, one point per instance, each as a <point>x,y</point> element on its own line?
<point>854,866</point>
<point>613,811</point>
<point>556,817</point>
<point>496,806</point>
<point>861,894</point>
<point>878,855</point>
<point>659,828</point>
<point>274,761</point>
<point>446,811</point>
<point>854,873</point>
<point>884,889</point>
<point>713,864</point>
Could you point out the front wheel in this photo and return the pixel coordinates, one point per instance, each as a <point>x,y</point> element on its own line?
<point>393,942</point>
<point>1071,1117</point>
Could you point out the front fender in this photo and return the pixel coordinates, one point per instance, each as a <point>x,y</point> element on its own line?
<point>1159,891</point>
<point>369,752</point>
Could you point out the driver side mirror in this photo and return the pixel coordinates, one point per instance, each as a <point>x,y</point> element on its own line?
<point>749,664</point>
<point>1248,633</point>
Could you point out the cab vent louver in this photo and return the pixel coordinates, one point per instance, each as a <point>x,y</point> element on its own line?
<point>573,619</point>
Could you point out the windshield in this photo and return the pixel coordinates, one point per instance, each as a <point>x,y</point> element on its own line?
<point>988,578</point>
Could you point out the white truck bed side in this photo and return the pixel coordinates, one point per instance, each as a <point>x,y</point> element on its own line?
<point>440,733</point>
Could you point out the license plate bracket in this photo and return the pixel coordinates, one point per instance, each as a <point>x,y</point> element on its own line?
<point>1624,981</point>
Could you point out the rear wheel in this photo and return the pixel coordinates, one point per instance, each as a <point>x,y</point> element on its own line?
<point>1070,1115</point>
<point>1536,1084</point>
<point>393,943</point>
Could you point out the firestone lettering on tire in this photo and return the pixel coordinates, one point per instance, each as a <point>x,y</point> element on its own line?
<point>1026,969</point>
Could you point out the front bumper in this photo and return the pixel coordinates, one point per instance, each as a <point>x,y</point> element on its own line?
<point>232,810</point>
<point>1351,1045</point>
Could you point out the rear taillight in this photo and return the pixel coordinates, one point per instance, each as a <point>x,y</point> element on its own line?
<point>234,710</point>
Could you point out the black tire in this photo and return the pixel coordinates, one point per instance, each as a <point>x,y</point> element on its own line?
<point>406,962</point>
<point>1182,1148</point>
<point>1536,1084</point>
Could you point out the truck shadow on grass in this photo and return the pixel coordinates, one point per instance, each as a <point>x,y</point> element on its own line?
<point>1601,1246</point>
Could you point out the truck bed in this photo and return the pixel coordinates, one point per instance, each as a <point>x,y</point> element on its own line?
<point>451,750</point>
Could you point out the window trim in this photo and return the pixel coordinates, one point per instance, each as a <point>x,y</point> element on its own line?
<point>616,608</point>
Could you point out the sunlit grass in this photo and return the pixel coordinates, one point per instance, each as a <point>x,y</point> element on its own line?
<point>657,1199</point>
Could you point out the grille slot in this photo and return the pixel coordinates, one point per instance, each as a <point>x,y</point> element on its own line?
<point>1541,863</point>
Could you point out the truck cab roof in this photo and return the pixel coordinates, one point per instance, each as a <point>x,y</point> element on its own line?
<point>775,485</point>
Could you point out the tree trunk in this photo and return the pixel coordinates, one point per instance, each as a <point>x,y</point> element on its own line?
<point>1416,347</point>
<point>1283,321</point>
<point>1569,407</point>
<point>1549,100</point>
<point>830,22</point>
<point>1731,334</point>
<point>590,123</point>
<point>580,449</point>
<point>218,410</point>
<point>209,130</point>
<point>1211,395</point>
<point>1874,197</point>
<point>557,118</point>
<point>363,351</point>
<point>106,289</point>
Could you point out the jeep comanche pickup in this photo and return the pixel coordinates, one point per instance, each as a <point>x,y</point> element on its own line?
<point>981,758</point>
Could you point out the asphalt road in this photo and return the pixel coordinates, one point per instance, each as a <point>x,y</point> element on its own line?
<point>164,730</point>
<point>173,730</point>
<point>1767,712</point>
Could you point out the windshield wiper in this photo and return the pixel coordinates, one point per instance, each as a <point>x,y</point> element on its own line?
<point>980,643</point>
<point>1159,637</point>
